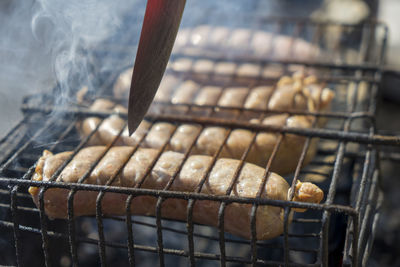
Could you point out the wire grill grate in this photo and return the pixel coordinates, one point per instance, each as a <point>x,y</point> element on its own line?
<point>345,166</point>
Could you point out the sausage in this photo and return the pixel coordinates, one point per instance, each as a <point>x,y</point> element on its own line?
<point>218,36</point>
<point>241,41</point>
<point>240,139</point>
<point>167,86</point>
<point>232,97</point>
<point>182,39</point>
<point>272,71</point>
<point>259,97</point>
<point>181,64</point>
<point>123,84</point>
<point>290,149</point>
<point>261,43</point>
<point>269,219</point>
<point>111,126</point>
<point>185,92</point>
<point>308,95</point>
<point>258,42</point>
<point>249,70</point>
<point>208,95</point>
<point>203,66</point>
<point>225,68</point>
<point>199,35</point>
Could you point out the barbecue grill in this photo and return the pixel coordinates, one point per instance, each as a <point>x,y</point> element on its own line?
<point>338,231</point>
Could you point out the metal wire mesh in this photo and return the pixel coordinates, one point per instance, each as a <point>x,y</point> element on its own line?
<point>345,167</point>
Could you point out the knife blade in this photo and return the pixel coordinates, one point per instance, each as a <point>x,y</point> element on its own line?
<point>160,27</point>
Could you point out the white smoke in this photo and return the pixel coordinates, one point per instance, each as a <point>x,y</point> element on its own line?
<point>68,29</point>
<point>48,42</point>
<point>43,43</point>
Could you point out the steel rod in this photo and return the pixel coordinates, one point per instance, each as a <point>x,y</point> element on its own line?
<point>180,195</point>
<point>343,137</point>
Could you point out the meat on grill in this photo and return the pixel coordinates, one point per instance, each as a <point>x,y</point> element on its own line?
<point>244,41</point>
<point>299,93</point>
<point>269,219</point>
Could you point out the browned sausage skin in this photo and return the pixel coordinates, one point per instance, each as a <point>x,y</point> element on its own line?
<point>269,219</point>
<point>299,92</point>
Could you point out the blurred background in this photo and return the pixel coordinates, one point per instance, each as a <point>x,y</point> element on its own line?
<point>42,40</point>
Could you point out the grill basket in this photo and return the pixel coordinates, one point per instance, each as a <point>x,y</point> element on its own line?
<point>346,167</point>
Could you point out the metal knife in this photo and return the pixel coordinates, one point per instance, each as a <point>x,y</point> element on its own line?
<point>160,26</point>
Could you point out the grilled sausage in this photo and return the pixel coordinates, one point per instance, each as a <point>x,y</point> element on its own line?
<point>111,126</point>
<point>269,219</point>
<point>123,84</point>
<point>291,93</point>
<point>239,140</point>
<point>259,97</point>
<point>240,40</point>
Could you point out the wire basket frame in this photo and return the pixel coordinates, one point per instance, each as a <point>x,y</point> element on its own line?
<point>335,153</point>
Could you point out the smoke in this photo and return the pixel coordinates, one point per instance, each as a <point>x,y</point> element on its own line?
<point>45,43</point>
<point>67,30</point>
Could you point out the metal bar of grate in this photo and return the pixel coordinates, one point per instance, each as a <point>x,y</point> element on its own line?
<point>260,191</point>
<point>89,113</point>
<point>365,185</point>
<point>7,164</point>
<point>180,232</point>
<point>160,200</point>
<point>152,249</point>
<point>14,130</point>
<point>29,142</point>
<point>99,220</point>
<point>128,219</point>
<point>191,202</point>
<point>291,195</point>
<point>43,218</point>
<point>374,206</point>
<point>221,212</point>
<point>356,137</point>
<point>70,201</point>
<point>130,241</point>
<point>13,206</point>
<point>258,60</point>
<point>108,244</point>
<point>332,189</point>
<point>181,195</point>
<point>41,202</point>
<point>191,254</point>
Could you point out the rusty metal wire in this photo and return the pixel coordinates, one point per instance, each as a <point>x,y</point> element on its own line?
<point>358,215</point>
